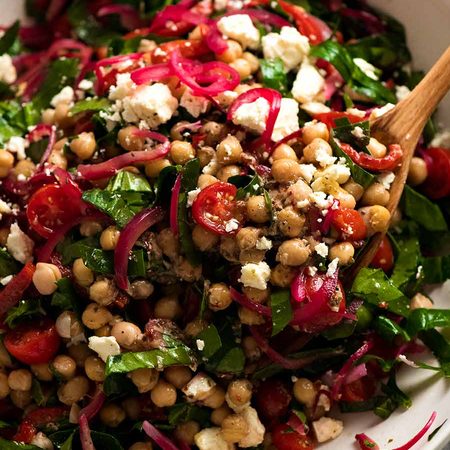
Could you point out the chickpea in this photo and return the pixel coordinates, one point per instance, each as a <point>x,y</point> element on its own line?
<point>82,274</point>
<point>345,199</point>
<point>109,238</point>
<point>95,369</point>
<point>141,446</point>
<point>353,188</point>
<point>126,333</point>
<point>305,392</point>
<point>239,393</point>
<point>293,252</point>
<point>20,380</point>
<point>251,256</point>
<point>195,327</point>
<point>204,239</point>
<point>290,222</point>
<point>376,218</point>
<point>45,278</point>
<point>247,238</point>
<point>103,331</point>
<point>132,407</point>
<point>251,348</point>
<point>129,141</point>
<point>229,151</point>
<point>181,152</point>
<point>103,291</point>
<point>21,399</point>
<point>74,390</point>
<point>214,132</point>
<point>42,372</point>
<point>95,316</point>
<point>252,60</point>
<point>48,116</point>
<point>234,428</point>
<point>227,172</point>
<point>168,243</point>
<point>112,415</point>
<point>219,297</point>
<point>316,150</point>
<point>205,155</point>
<point>257,210</point>
<point>186,431</point>
<point>167,308</point>
<point>376,148</point>
<point>186,271</point>
<point>282,275</point>
<point>256,295</point>
<point>144,379</point>
<point>375,194</point>
<point>62,115</point>
<point>284,151</point>
<point>163,394</point>
<point>90,228</point>
<point>179,376</point>
<point>68,326</point>
<point>84,145</point>
<point>57,158</point>
<point>249,317</point>
<point>79,353</point>
<point>420,301</point>
<point>299,192</point>
<point>315,130</point>
<point>285,170</point>
<point>141,289</point>
<point>64,366</point>
<point>418,171</point>
<point>215,399</point>
<point>205,180</point>
<point>343,251</point>
<point>242,67</point>
<point>4,385</point>
<point>219,414</point>
<point>6,163</point>
<point>25,168</point>
<point>154,168</point>
<point>232,53</point>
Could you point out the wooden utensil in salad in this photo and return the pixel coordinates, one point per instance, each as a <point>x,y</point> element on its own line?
<point>404,125</point>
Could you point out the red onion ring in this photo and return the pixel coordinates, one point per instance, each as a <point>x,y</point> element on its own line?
<point>148,74</point>
<point>174,205</point>
<point>244,301</point>
<point>163,441</point>
<point>262,16</point>
<point>420,434</point>
<point>129,17</point>
<point>85,434</point>
<point>94,406</point>
<point>141,222</point>
<point>356,373</point>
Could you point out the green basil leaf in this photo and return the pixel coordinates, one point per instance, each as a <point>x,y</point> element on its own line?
<point>23,311</point>
<point>394,399</point>
<point>254,187</point>
<point>440,347</point>
<point>423,211</point>
<point>190,174</point>
<point>8,265</point>
<point>9,38</point>
<point>273,75</point>
<point>65,297</point>
<point>164,184</point>
<point>373,286</point>
<point>345,131</point>
<point>426,319</point>
<point>211,341</point>
<point>118,385</point>
<point>179,355</point>
<point>36,393</point>
<point>126,181</point>
<point>183,412</point>
<point>11,445</point>
<point>388,329</point>
<point>436,269</point>
<point>406,263</point>
<point>340,331</point>
<point>280,302</point>
<point>90,104</point>
<point>232,362</point>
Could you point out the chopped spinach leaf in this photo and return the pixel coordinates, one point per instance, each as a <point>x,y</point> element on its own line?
<point>268,203</point>
<point>353,407</point>
<point>394,399</point>
<point>436,430</point>
<point>65,297</point>
<point>388,329</point>
<point>232,362</point>
<point>36,393</point>
<point>340,331</point>
<point>90,104</point>
<point>345,131</point>
<point>436,269</point>
<point>12,445</point>
<point>406,262</point>
<point>274,76</point>
<point>23,311</point>
<point>253,187</point>
<point>185,234</point>
<point>8,265</point>
<point>183,412</point>
<point>440,347</point>
<point>189,175</point>
<point>164,184</point>
<point>426,319</point>
<point>126,181</point>
<point>211,341</point>
<point>280,302</point>
<point>9,38</point>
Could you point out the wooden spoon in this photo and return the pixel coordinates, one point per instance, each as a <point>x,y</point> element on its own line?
<point>404,125</point>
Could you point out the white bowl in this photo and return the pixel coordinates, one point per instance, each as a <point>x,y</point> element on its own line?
<point>428,29</point>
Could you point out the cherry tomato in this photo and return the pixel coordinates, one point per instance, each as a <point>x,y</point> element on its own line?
<point>52,206</point>
<point>215,209</point>
<point>273,399</point>
<point>349,223</point>
<point>189,48</point>
<point>25,433</point>
<point>285,438</point>
<point>43,416</point>
<point>315,29</point>
<point>384,257</point>
<point>437,184</point>
<point>33,343</point>
<point>13,291</point>
<point>359,391</point>
<point>329,118</point>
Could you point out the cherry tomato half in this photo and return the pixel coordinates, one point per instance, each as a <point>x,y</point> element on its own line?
<point>52,206</point>
<point>189,48</point>
<point>273,399</point>
<point>437,184</point>
<point>25,432</point>
<point>384,257</point>
<point>43,416</point>
<point>359,391</point>
<point>349,223</point>
<point>285,438</point>
<point>33,343</point>
<point>216,210</point>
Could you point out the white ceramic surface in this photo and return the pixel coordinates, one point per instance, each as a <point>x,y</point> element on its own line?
<point>428,28</point>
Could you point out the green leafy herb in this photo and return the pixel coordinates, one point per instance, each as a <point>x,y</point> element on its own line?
<point>67,445</point>
<point>280,303</point>
<point>426,319</point>
<point>345,131</point>
<point>164,184</point>
<point>15,119</point>
<point>36,393</point>
<point>126,181</point>
<point>11,445</point>
<point>254,187</point>
<point>9,38</point>
<point>394,398</point>
<point>352,407</point>
<point>232,362</point>
<point>189,175</point>
<point>183,412</point>
<point>23,311</point>
<point>373,286</point>
<point>436,269</point>
<point>406,263</point>
<point>211,341</point>
<point>423,211</point>
<point>340,331</point>
<point>268,203</point>
<point>36,149</point>
<point>90,104</point>
<point>105,440</point>
<point>118,385</point>
<point>388,329</point>
<point>8,265</point>
<point>65,297</point>
<point>440,347</point>
<point>436,430</point>
<point>274,75</point>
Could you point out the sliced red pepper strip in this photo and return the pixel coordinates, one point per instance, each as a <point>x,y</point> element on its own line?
<point>329,118</point>
<point>13,291</point>
<point>366,161</point>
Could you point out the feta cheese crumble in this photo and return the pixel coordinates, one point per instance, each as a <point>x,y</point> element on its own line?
<point>17,145</point>
<point>307,172</point>
<point>194,104</point>
<point>240,28</point>
<point>255,429</point>
<point>308,84</point>
<point>211,439</point>
<point>401,92</point>
<point>19,245</point>
<point>332,267</point>
<point>263,244</point>
<point>66,95</point>
<point>327,428</point>
<point>255,275</point>
<point>8,72</point>
<point>288,45</point>
<point>104,346</point>
<point>367,68</point>
<point>386,179</point>
<point>191,196</point>
<point>231,225</point>
<point>200,344</point>
<point>441,139</point>
<point>321,249</point>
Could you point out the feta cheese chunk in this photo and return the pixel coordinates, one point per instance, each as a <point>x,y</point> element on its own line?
<point>332,267</point>
<point>287,120</point>
<point>66,95</point>
<point>401,92</point>
<point>386,179</point>
<point>191,196</point>
<point>198,388</point>
<point>255,275</point>
<point>124,86</point>
<point>19,245</point>
<point>308,84</point>
<point>211,439</point>
<point>263,244</point>
<point>378,112</point>
<point>255,429</point>
<point>321,249</point>
<point>17,145</point>
<point>8,72</point>
<point>104,346</point>
<point>288,45</point>
<point>194,104</point>
<point>367,68</point>
<point>307,172</point>
<point>327,428</point>
<point>336,172</point>
<point>240,28</point>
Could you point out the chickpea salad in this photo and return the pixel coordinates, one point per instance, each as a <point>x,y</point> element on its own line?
<point>185,189</point>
